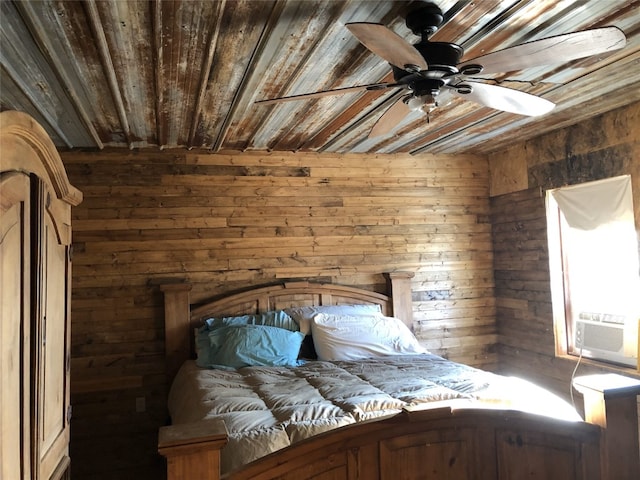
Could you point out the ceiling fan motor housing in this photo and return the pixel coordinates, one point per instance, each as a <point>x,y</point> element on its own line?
<point>440,55</point>
<point>424,20</point>
<point>441,58</point>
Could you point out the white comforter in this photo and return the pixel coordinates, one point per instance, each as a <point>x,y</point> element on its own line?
<point>269,408</point>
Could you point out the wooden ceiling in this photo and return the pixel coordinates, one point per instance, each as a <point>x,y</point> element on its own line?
<point>166,74</point>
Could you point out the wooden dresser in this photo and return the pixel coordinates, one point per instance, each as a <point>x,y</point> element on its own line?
<point>35,255</point>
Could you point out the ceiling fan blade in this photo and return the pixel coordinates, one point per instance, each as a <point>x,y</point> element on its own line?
<point>388,45</point>
<point>505,99</point>
<point>325,93</point>
<point>558,49</point>
<point>390,119</point>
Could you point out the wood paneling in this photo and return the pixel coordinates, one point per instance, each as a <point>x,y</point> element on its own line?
<point>228,221</point>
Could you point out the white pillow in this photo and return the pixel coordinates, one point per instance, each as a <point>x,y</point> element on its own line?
<point>303,315</point>
<point>353,337</point>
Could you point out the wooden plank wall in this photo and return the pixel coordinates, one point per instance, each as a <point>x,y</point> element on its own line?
<point>604,146</point>
<point>227,221</point>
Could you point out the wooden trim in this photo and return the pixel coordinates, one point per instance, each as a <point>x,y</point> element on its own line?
<point>22,136</point>
<point>177,334</point>
<point>62,471</point>
<point>401,294</point>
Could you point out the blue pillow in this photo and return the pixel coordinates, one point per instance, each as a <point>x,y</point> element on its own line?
<point>203,346</point>
<point>247,345</point>
<point>275,318</point>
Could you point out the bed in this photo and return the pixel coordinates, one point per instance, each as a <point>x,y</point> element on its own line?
<point>330,396</point>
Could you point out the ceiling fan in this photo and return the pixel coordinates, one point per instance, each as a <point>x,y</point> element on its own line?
<point>432,70</point>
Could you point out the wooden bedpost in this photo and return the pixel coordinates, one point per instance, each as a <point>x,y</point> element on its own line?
<point>610,401</point>
<point>192,450</point>
<point>177,343</point>
<point>401,294</point>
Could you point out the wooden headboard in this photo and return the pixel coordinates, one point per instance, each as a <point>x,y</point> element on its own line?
<point>181,318</point>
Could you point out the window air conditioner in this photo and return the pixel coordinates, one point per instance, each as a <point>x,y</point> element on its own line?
<point>601,336</point>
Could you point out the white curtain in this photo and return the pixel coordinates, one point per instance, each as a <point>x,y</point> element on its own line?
<point>590,205</point>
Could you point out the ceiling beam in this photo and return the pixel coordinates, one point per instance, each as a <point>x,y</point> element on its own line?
<point>37,105</point>
<point>249,82</point>
<point>205,72</point>
<point>36,28</point>
<point>156,33</point>
<point>107,65</point>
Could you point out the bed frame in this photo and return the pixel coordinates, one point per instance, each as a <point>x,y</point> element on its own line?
<point>453,440</point>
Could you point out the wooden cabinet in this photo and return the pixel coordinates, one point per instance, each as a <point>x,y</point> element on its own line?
<point>35,246</point>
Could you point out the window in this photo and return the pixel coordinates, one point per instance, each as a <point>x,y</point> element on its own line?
<point>595,279</point>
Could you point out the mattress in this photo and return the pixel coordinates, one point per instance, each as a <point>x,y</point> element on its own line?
<point>269,408</point>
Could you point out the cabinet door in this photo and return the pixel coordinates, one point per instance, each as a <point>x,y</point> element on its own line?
<point>544,456</point>
<point>432,455</point>
<point>52,340</point>
<point>15,325</point>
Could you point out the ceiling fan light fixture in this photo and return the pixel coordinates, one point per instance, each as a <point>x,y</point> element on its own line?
<point>424,103</point>
<point>415,103</point>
